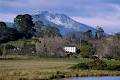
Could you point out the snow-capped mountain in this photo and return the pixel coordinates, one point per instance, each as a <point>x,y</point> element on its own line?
<point>62,21</point>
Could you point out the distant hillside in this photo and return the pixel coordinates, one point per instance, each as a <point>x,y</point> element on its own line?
<point>9,24</point>
<point>63,22</point>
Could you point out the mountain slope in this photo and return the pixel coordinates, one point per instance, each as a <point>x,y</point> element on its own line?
<point>9,24</point>
<point>61,21</point>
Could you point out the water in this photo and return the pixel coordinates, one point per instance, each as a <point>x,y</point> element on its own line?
<point>94,78</point>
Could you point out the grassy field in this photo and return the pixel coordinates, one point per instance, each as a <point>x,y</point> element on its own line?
<point>47,68</point>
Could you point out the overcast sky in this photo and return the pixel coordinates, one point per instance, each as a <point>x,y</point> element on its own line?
<point>105,13</point>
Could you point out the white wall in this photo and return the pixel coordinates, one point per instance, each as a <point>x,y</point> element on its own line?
<point>70,49</point>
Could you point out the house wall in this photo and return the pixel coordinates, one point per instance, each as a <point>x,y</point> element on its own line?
<point>70,49</point>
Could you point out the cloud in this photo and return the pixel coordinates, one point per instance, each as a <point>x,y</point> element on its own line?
<point>71,7</point>
<point>93,12</point>
<point>109,21</point>
<point>7,18</point>
<point>108,24</point>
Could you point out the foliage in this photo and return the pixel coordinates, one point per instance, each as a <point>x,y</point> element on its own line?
<point>78,51</point>
<point>8,34</point>
<point>109,57</point>
<point>3,26</point>
<point>50,46</point>
<point>80,66</point>
<point>0,52</point>
<point>21,43</point>
<point>8,46</point>
<point>100,33</point>
<point>114,67</point>
<point>24,24</point>
<point>108,47</point>
<point>87,50</point>
<point>51,31</point>
<point>28,44</point>
<point>97,64</point>
<point>38,29</point>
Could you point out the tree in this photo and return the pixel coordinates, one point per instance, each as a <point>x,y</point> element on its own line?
<point>38,28</point>
<point>51,32</point>
<point>8,34</point>
<point>108,47</point>
<point>8,46</point>
<point>99,33</point>
<point>87,50</point>
<point>116,46</point>
<point>24,24</point>
<point>3,26</point>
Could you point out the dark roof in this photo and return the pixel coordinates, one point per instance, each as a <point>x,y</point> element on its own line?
<point>70,45</point>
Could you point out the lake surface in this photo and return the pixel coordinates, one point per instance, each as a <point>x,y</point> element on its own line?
<point>93,78</point>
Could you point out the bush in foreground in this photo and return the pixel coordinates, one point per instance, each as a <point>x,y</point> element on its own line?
<point>80,66</point>
<point>97,64</point>
<point>114,67</point>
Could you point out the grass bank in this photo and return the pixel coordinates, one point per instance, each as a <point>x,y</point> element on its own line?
<point>48,68</point>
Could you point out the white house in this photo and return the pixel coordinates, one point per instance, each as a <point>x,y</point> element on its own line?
<point>70,49</point>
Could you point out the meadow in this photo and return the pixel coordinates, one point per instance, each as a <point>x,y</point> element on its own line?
<point>47,68</point>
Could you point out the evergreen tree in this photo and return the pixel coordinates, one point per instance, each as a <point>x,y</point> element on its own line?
<point>24,24</point>
<point>8,34</point>
<point>99,33</point>
<point>86,49</point>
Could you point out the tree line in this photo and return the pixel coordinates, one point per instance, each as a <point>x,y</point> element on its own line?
<point>25,28</point>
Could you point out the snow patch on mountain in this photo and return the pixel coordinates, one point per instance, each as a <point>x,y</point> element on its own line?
<point>62,21</point>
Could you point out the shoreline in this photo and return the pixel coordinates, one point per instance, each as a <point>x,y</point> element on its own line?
<point>102,73</point>
<point>86,78</point>
<point>53,75</point>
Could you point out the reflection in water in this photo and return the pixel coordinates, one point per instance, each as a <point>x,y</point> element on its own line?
<point>94,78</point>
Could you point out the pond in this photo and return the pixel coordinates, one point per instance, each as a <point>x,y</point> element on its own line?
<point>94,78</point>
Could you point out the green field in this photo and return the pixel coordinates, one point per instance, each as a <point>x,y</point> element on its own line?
<point>47,68</point>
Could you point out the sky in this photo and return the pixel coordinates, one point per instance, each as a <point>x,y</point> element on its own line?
<point>104,13</point>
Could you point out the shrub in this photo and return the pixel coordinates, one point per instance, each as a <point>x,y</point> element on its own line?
<point>80,66</point>
<point>8,46</point>
<point>97,64</point>
<point>114,67</point>
<point>28,44</point>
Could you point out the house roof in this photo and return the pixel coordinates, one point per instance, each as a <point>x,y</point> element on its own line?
<point>70,45</point>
